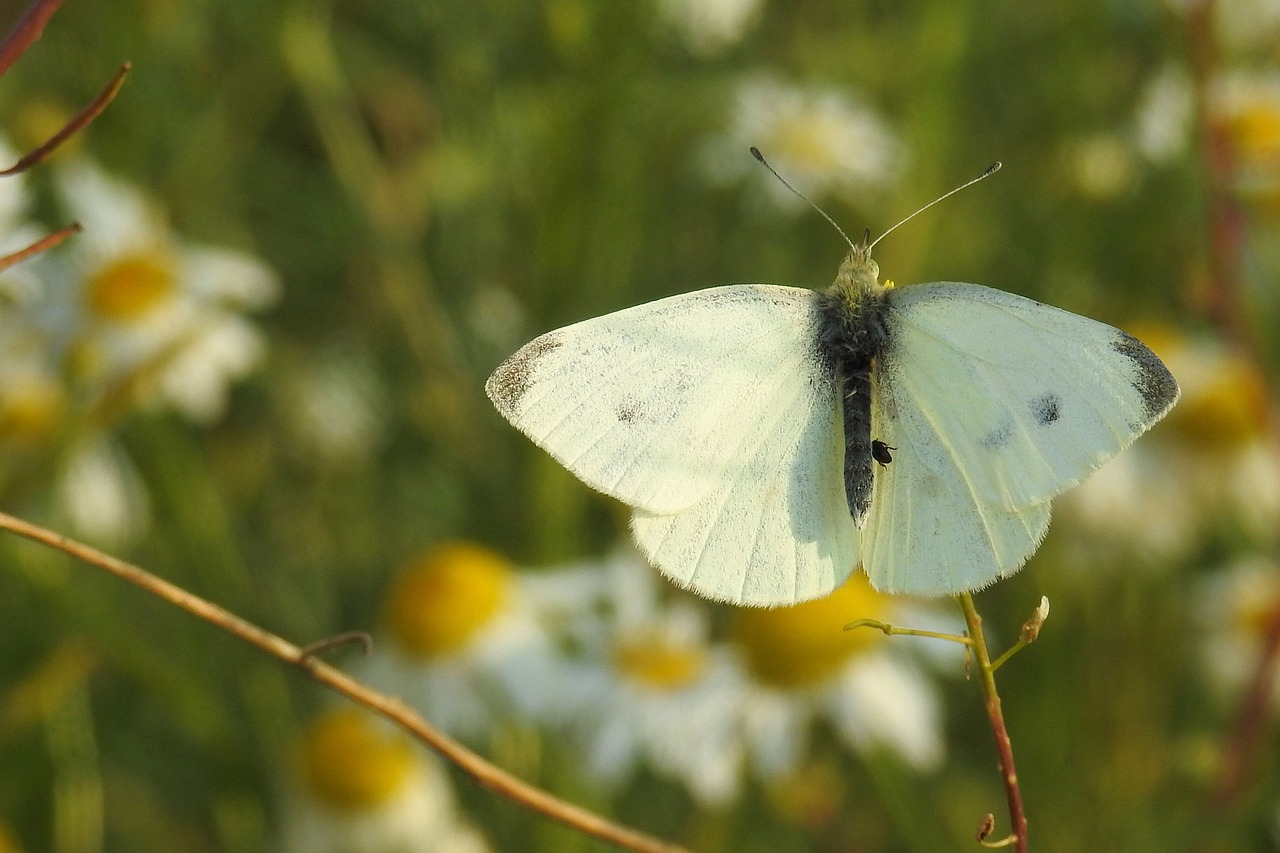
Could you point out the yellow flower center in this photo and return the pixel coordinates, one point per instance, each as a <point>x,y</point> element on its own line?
<point>131,286</point>
<point>1229,411</point>
<point>806,643</point>
<point>656,662</point>
<point>30,408</point>
<point>351,763</point>
<point>1256,131</point>
<point>446,596</point>
<point>806,140</point>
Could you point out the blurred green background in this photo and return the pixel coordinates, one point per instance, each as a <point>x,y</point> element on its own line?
<point>436,183</point>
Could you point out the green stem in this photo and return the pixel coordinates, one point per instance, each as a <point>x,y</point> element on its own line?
<point>890,630</point>
<point>1004,746</point>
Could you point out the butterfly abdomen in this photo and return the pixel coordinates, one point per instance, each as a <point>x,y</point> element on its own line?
<point>852,332</point>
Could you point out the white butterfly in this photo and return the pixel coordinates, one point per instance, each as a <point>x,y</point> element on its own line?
<point>750,426</point>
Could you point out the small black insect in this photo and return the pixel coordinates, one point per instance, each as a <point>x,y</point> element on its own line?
<point>880,452</point>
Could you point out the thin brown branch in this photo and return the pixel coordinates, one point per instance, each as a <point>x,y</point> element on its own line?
<point>393,709</point>
<point>24,33</point>
<point>44,244</point>
<point>1004,746</point>
<point>77,123</point>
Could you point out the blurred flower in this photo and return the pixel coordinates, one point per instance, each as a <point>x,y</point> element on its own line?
<point>467,644</point>
<point>1247,104</point>
<point>1247,25</point>
<point>1101,165</point>
<point>804,666</point>
<point>364,787</point>
<point>817,139</point>
<point>1163,122</point>
<point>102,495</point>
<point>1232,610</point>
<point>150,314</point>
<point>658,695</point>
<point>709,27</point>
<point>1211,462</point>
<point>17,283</point>
<point>333,405</point>
<point>32,397</point>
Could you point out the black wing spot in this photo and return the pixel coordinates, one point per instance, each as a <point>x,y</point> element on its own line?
<point>998,437</point>
<point>880,452</point>
<point>1046,408</point>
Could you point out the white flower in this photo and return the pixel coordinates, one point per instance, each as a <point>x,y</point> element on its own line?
<point>803,666</point>
<point>818,139</point>
<point>466,643</point>
<point>334,406</point>
<point>657,694</point>
<point>709,27</point>
<point>1232,609</point>
<point>152,316</point>
<point>1163,123</point>
<point>102,495</point>
<point>363,787</point>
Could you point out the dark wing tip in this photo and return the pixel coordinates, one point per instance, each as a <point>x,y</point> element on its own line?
<point>513,378</point>
<point>1153,381</point>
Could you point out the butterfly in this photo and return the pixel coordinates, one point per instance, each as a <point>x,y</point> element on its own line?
<point>750,427</point>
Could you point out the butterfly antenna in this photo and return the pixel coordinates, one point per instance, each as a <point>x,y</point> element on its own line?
<point>755,152</point>
<point>990,170</point>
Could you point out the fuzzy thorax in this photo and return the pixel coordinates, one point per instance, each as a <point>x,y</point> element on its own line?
<point>858,278</point>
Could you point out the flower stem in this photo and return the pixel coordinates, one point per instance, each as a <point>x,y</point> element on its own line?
<point>1004,746</point>
<point>891,630</point>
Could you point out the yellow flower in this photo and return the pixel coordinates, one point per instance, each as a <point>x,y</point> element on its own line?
<point>653,660</point>
<point>806,643</point>
<point>446,596</point>
<point>351,763</point>
<point>131,286</point>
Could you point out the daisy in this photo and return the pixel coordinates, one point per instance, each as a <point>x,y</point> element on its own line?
<point>466,643</point>
<point>657,694</point>
<point>1233,608</point>
<point>1247,104</point>
<point>1163,122</point>
<point>361,786</point>
<point>151,314</point>
<point>819,139</point>
<point>804,667</point>
<point>334,406</point>
<point>102,494</point>
<point>710,27</point>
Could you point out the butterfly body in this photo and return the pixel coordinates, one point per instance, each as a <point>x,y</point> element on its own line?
<point>742,424</point>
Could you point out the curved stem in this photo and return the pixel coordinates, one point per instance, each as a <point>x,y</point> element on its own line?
<point>1004,746</point>
<point>393,709</point>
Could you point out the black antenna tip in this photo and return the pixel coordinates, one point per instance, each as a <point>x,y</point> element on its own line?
<point>755,152</point>
<point>993,168</point>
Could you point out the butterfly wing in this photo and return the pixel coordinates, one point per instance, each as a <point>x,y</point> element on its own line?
<point>713,414</point>
<point>778,529</point>
<point>996,403</point>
